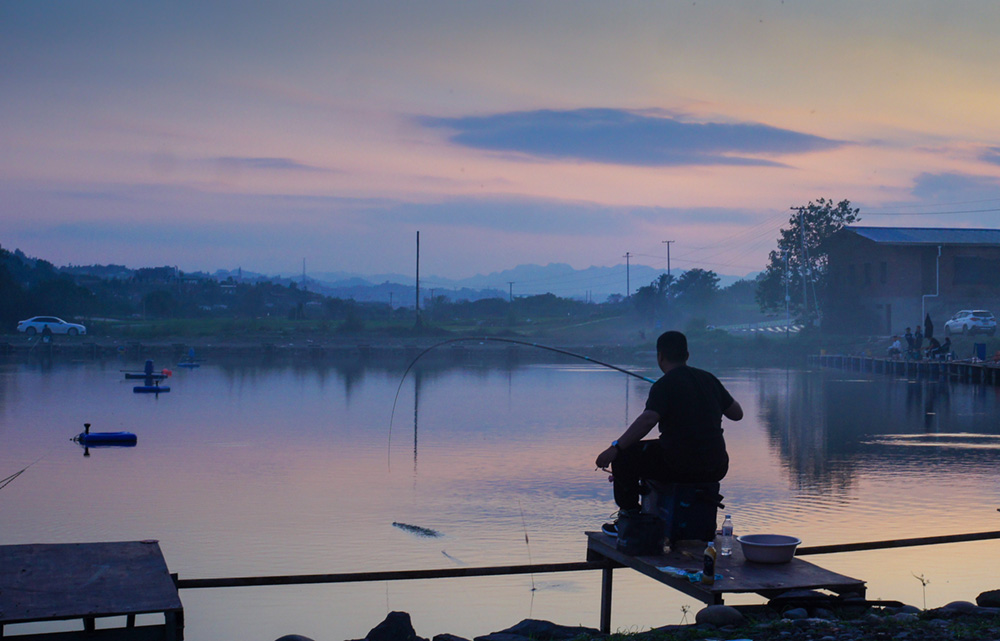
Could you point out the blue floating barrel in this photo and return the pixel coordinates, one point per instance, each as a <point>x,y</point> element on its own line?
<point>92,439</point>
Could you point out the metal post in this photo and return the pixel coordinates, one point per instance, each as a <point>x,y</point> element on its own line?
<point>805,265</point>
<point>417,302</point>
<point>937,286</point>
<point>606,600</point>
<point>628,276</point>
<point>788,298</point>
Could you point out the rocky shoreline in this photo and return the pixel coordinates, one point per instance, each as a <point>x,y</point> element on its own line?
<point>809,616</point>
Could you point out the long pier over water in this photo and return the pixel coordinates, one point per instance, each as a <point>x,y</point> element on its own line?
<point>980,372</point>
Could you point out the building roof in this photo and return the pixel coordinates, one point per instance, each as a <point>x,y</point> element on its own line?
<point>927,235</point>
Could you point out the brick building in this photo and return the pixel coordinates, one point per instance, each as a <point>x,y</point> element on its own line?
<point>881,278</point>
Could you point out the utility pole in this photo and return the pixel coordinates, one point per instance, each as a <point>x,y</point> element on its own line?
<point>628,275</point>
<point>667,243</point>
<point>417,305</point>
<point>788,298</point>
<point>805,266</point>
<point>510,296</point>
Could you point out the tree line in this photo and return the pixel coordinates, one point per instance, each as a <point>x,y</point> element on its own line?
<point>796,270</point>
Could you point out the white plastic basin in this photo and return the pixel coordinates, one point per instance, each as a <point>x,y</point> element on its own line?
<point>768,548</point>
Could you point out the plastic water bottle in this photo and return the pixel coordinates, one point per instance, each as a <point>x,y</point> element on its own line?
<point>726,544</point>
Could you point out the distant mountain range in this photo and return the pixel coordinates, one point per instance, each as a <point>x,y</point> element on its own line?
<point>593,284</point>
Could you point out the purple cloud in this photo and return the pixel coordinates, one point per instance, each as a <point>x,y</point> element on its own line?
<point>617,136</point>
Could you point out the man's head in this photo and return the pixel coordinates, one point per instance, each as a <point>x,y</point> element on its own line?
<point>671,349</point>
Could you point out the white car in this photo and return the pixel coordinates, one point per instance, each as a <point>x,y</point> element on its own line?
<point>35,325</point>
<point>969,321</point>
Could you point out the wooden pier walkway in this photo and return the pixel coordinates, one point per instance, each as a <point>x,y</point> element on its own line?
<point>88,581</point>
<point>982,372</point>
<point>738,575</point>
<point>51,582</point>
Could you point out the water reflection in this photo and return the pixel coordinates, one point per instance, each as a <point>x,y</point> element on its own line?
<point>824,425</point>
<point>280,466</point>
<point>417,378</point>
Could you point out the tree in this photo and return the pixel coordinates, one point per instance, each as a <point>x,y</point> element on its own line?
<point>654,297</point>
<point>160,303</point>
<point>696,288</point>
<point>799,264</point>
<point>14,301</point>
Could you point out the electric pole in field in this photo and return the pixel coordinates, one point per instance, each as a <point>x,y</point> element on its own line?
<point>788,298</point>
<point>510,296</point>
<point>667,243</point>
<point>628,275</point>
<point>806,268</point>
<point>417,305</point>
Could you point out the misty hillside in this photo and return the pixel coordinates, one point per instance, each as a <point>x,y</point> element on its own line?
<point>593,284</point>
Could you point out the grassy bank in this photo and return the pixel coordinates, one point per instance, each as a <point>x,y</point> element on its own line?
<point>623,334</point>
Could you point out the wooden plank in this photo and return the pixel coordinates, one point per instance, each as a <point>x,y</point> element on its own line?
<point>602,545</point>
<point>739,575</point>
<point>141,633</point>
<point>44,582</point>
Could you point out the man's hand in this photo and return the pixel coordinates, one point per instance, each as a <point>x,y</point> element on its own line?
<point>604,458</point>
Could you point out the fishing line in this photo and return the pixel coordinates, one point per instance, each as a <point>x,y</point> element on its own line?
<point>10,479</point>
<point>528,545</point>
<point>497,340</point>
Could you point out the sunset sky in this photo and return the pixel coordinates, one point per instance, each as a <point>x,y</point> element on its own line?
<point>258,135</point>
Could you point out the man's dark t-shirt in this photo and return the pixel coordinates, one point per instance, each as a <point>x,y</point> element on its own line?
<point>690,403</point>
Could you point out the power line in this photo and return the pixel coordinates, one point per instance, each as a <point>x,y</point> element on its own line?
<point>934,213</point>
<point>959,202</point>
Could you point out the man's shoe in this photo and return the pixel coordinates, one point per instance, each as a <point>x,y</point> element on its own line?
<point>611,529</point>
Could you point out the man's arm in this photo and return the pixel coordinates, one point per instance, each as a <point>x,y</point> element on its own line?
<point>734,412</point>
<point>639,428</point>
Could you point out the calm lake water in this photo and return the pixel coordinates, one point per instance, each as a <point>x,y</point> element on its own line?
<point>247,470</point>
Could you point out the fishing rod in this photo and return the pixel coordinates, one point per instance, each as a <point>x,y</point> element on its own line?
<point>10,479</point>
<point>502,340</point>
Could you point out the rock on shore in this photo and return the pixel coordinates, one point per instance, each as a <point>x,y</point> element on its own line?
<point>959,620</point>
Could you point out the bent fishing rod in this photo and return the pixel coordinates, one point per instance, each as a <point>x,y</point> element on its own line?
<point>502,340</point>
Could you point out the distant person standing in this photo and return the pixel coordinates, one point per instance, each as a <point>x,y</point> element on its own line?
<point>46,334</point>
<point>918,340</point>
<point>908,337</point>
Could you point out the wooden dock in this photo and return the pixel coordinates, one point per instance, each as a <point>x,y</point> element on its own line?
<point>739,575</point>
<point>87,581</point>
<point>982,372</point>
